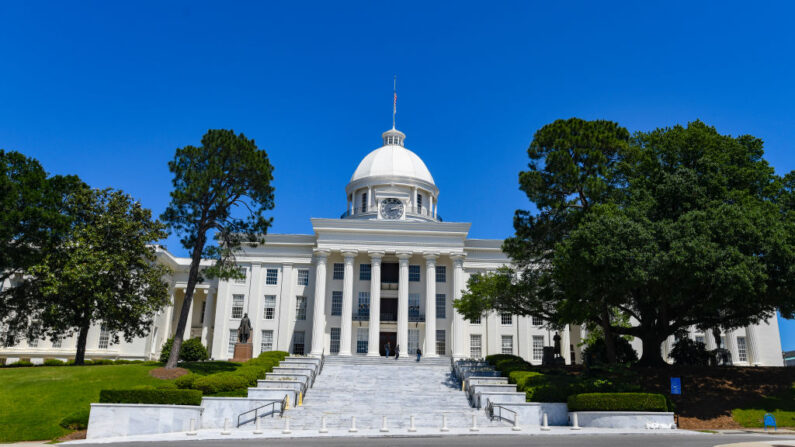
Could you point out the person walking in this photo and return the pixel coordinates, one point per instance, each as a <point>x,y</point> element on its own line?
<point>419,354</point>
<point>386,348</point>
<point>397,351</point>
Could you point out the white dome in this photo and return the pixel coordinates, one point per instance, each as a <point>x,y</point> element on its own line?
<point>393,160</point>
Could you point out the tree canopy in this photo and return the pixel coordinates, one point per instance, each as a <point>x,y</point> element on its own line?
<point>675,227</point>
<point>224,187</point>
<point>103,271</point>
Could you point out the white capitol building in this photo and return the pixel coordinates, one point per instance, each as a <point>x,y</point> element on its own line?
<point>387,270</point>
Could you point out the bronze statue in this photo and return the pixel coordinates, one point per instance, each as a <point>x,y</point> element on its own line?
<point>244,330</point>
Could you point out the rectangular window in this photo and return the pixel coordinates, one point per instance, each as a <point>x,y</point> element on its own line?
<point>414,273</point>
<point>362,338</point>
<point>536,321</point>
<point>237,305</point>
<point>232,340</point>
<point>365,272</point>
<point>414,341</point>
<point>364,304</point>
<point>475,350</point>
<point>364,202</point>
<point>303,277</point>
<point>271,277</point>
<point>723,342</point>
<point>241,280</point>
<point>298,343</point>
<point>742,350</point>
<point>419,203</point>
<point>441,344</point>
<point>270,307</point>
<point>104,337</point>
<point>441,305</point>
<point>507,344</point>
<point>441,273</point>
<point>475,321</point>
<point>334,348</point>
<point>414,305</point>
<point>538,347</point>
<point>57,342</point>
<point>300,308</point>
<point>339,271</point>
<point>506,319</point>
<point>34,343</point>
<point>336,303</point>
<point>700,339</point>
<point>267,341</point>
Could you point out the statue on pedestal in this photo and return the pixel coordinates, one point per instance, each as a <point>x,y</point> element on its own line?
<point>244,330</point>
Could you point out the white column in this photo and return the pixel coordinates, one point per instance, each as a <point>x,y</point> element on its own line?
<point>286,303</point>
<point>347,304</point>
<point>170,314</point>
<point>221,327</point>
<point>319,314</point>
<point>189,323</point>
<point>709,340</point>
<point>731,345</point>
<point>458,319</point>
<point>208,317</point>
<point>565,341</point>
<point>374,336</point>
<point>403,304</point>
<point>430,305</point>
<point>369,198</point>
<point>751,345</point>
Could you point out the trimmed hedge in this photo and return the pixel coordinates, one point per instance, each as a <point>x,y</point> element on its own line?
<point>186,382</point>
<point>617,402</point>
<point>54,362</point>
<point>168,397</point>
<point>221,382</point>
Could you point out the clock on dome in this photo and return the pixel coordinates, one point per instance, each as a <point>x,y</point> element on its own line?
<point>391,208</point>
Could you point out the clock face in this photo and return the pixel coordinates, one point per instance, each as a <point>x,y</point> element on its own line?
<point>391,208</point>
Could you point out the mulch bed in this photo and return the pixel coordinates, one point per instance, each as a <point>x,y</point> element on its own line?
<point>79,434</point>
<point>168,374</point>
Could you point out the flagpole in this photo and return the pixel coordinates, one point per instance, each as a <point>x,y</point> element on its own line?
<point>394,100</point>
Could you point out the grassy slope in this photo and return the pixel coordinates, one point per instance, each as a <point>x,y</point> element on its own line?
<point>34,400</point>
<point>781,406</point>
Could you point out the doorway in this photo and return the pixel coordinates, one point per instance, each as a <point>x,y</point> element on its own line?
<point>389,309</point>
<point>385,337</point>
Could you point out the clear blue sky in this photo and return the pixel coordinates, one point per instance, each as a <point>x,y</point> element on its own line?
<point>108,90</point>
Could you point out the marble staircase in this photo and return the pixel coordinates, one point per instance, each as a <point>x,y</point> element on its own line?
<point>372,387</point>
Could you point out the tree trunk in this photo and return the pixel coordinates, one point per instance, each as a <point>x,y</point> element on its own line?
<point>652,355</point>
<point>610,339</point>
<point>193,276</point>
<point>82,338</point>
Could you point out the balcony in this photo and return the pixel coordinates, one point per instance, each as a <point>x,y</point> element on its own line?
<point>362,315</point>
<point>389,285</point>
<point>411,211</point>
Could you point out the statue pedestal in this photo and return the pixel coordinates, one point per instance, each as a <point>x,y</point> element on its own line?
<point>243,352</point>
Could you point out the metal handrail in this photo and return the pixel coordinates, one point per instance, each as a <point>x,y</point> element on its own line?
<point>272,404</point>
<point>490,412</point>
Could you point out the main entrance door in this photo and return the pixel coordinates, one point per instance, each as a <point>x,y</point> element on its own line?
<point>385,337</point>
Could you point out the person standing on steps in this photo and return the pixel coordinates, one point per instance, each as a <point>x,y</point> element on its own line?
<point>386,348</point>
<point>419,354</point>
<point>397,351</point>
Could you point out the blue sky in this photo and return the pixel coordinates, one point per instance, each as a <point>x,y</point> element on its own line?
<point>108,90</point>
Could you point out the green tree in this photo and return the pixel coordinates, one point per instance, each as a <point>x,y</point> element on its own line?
<point>226,175</point>
<point>103,271</point>
<point>31,222</point>
<point>692,228</point>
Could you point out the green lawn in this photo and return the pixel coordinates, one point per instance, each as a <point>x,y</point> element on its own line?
<point>781,406</point>
<point>34,400</point>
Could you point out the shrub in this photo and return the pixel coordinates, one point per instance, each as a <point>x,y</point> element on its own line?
<point>520,378</point>
<point>101,362</point>
<point>75,421</point>
<point>169,397</point>
<point>186,382</point>
<point>192,350</point>
<point>494,358</point>
<point>166,386</point>
<point>690,352</point>
<point>252,374</point>
<point>54,362</point>
<point>280,355</point>
<point>225,381</point>
<point>617,402</point>
<point>596,353</point>
<point>20,364</point>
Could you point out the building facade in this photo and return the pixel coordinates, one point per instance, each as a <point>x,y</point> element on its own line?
<point>386,272</point>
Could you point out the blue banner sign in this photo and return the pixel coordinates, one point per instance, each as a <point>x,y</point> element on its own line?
<point>676,385</point>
